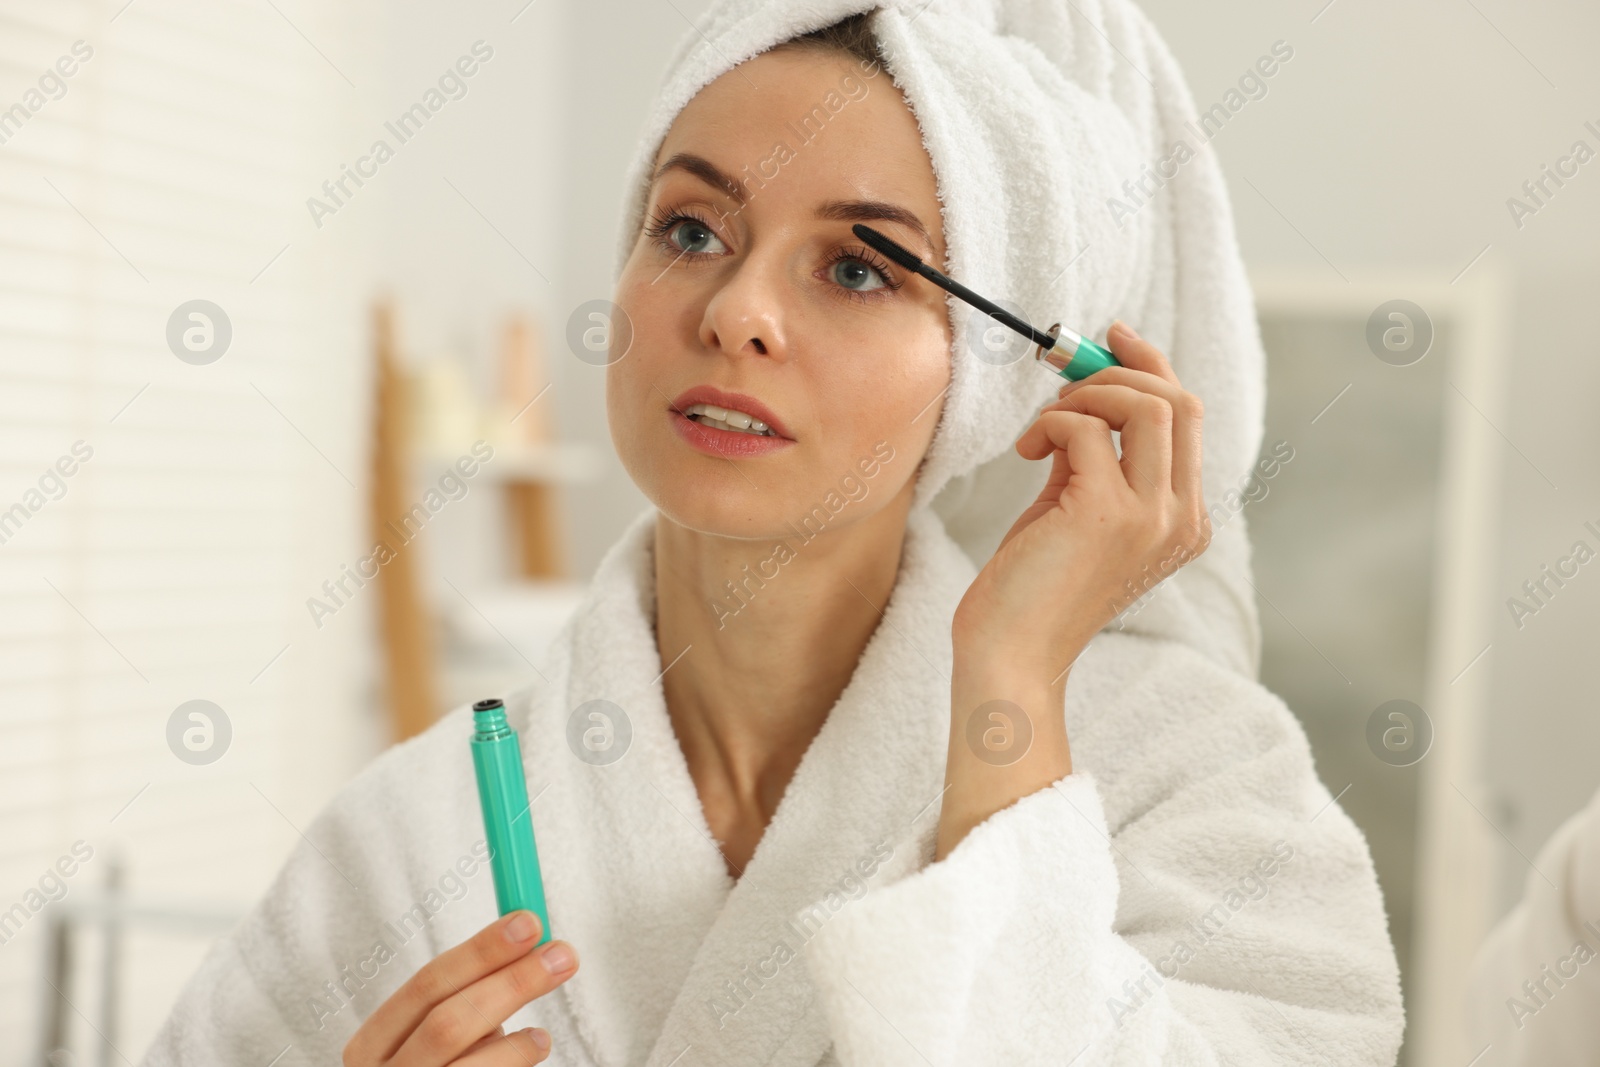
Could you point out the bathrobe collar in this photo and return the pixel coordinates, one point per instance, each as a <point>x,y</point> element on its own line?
<point>683,963</point>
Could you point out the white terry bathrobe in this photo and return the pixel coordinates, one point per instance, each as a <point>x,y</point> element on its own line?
<point>1190,894</point>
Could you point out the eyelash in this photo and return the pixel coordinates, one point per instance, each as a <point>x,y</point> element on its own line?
<point>662,222</point>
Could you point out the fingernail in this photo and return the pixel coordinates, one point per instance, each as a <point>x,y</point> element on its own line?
<point>521,928</point>
<point>558,959</point>
<point>1125,328</point>
<point>541,1038</point>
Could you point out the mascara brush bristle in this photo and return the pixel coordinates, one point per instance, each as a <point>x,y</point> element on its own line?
<point>889,247</point>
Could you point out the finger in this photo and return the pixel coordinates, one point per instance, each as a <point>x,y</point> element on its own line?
<point>513,1050</point>
<point>1134,351</point>
<point>493,1035</point>
<point>1188,452</point>
<point>485,952</point>
<point>1082,442</point>
<point>453,1025</point>
<point>1188,414</point>
<point>1138,379</point>
<point>1145,421</point>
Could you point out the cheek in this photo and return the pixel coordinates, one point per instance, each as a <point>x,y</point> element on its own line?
<point>632,400</point>
<point>908,387</point>
<point>891,400</point>
<point>653,322</point>
<point>627,386</point>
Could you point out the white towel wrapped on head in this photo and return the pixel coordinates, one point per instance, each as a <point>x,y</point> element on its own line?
<point>1034,114</point>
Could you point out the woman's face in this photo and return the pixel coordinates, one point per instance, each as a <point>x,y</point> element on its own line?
<point>772,307</point>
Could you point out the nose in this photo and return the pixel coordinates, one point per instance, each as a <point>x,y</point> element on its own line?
<point>745,315</point>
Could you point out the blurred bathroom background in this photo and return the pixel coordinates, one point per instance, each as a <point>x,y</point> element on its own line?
<point>213,392</point>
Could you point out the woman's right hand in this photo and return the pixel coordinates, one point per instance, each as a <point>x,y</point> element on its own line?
<point>450,1011</point>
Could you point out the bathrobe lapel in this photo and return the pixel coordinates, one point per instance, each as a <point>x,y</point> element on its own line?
<point>682,965</point>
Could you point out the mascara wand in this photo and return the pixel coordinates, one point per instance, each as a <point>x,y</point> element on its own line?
<point>1078,358</point>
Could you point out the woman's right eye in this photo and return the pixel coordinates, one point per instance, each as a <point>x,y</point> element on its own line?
<point>692,235</point>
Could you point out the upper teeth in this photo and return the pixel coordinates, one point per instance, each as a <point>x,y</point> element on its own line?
<point>728,419</point>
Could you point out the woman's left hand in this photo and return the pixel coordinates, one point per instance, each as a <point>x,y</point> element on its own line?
<point>1102,531</point>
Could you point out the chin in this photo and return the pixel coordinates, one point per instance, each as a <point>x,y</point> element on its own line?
<point>720,504</point>
<point>791,508</point>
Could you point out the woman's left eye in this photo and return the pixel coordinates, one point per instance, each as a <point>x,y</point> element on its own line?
<point>857,276</point>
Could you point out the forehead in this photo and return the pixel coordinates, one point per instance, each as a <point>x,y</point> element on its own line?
<point>813,125</point>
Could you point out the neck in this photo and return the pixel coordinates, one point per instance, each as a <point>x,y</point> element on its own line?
<point>767,659</point>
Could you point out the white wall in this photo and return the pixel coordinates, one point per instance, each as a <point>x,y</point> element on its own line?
<point>175,565</point>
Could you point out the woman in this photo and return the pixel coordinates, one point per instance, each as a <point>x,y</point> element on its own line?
<point>855,800</point>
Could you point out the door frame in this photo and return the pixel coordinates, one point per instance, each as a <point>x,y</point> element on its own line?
<point>1456,861</point>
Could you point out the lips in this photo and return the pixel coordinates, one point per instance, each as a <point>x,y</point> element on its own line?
<point>709,394</point>
<point>711,439</point>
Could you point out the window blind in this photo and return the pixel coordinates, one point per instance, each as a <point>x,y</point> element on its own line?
<point>162,518</point>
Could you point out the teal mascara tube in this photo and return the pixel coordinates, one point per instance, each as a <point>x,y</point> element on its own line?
<point>507,815</point>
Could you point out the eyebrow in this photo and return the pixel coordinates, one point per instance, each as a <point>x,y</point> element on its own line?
<point>832,210</point>
<point>703,169</point>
